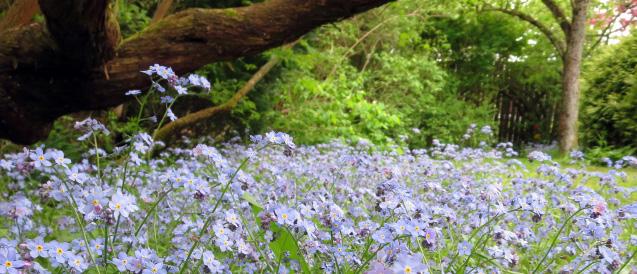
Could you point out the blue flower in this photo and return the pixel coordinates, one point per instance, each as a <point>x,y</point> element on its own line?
<point>122,204</point>
<point>121,262</point>
<point>157,268</point>
<point>171,115</point>
<point>409,264</point>
<point>59,251</point>
<point>464,248</point>
<point>77,263</point>
<point>37,248</point>
<point>181,90</point>
<point>40,159</point>
<point>10,261</point>
<point>286,216</point>
<point>133,92</point>
<point>58,157</point>
<point>209,261</point>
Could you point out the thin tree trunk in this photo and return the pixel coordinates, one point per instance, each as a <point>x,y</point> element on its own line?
<point>163,8</point>
<point>570,77</point>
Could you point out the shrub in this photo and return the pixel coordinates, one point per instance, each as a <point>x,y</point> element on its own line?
<point>609,107</point>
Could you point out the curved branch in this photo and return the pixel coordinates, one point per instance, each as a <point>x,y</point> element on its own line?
<point>75,65</point>
<point>559,15</point>
<point>173,128</point>
<point>163,8</point>
<point>189,39</point>
<point>558,44</point>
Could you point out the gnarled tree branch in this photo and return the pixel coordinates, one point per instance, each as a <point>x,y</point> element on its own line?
<point>559,15</point>
<point>557,43</point>
<point>40,80</point>
<point>85,31</point>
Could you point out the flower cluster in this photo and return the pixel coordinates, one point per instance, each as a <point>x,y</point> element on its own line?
<point>272,206</point>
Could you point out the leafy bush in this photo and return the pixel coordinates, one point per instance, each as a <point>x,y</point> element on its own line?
<point>609,107</point>
<point>372,78</point>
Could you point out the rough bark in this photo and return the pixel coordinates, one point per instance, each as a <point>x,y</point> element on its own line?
<point>570,77</point>
<point>77,62</point>
<point>85,31</point>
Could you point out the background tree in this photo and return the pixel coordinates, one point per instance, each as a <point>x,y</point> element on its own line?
<point>569,43</point>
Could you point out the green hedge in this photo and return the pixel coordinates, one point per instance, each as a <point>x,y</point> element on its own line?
<point>609,107</point>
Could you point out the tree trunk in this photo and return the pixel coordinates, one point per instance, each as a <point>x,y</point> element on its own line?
<point>570,77</point>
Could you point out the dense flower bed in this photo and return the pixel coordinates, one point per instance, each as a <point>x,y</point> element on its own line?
<point>270,206</point>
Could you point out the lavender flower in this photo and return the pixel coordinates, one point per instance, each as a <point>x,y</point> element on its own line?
<point>10,261</point>
<point>409,264</point>
<point>122,204</point>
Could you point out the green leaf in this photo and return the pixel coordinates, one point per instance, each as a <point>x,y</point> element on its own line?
<point>284,241</point>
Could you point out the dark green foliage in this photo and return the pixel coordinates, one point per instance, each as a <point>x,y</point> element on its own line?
<point>609,108</point>
<point>134,16</point>
<point>497,61</point>
<point>373,77</point>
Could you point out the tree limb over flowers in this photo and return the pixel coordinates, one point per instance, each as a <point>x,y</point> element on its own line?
<point>77,61</point>
<point>557,42</point>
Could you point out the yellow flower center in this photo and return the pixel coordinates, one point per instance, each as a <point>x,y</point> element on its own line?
<point>118,206</point>
<point>77,262</point>
<point>154,270</point>
<point>284,216</point>
<point>41,158</point>
<point>8,264</point>
<point>408,269</point>
<point>96,202</point>
<point>39,248</point>
<point>59,251</point>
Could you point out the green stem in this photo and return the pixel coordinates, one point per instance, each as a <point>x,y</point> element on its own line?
<point>81,223</point>
<point>209,219</point>
<point>97,157</point>
<point>554,241</point>
<point>105,256</point>
<point>152,209</point>
<point>628,261</point>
